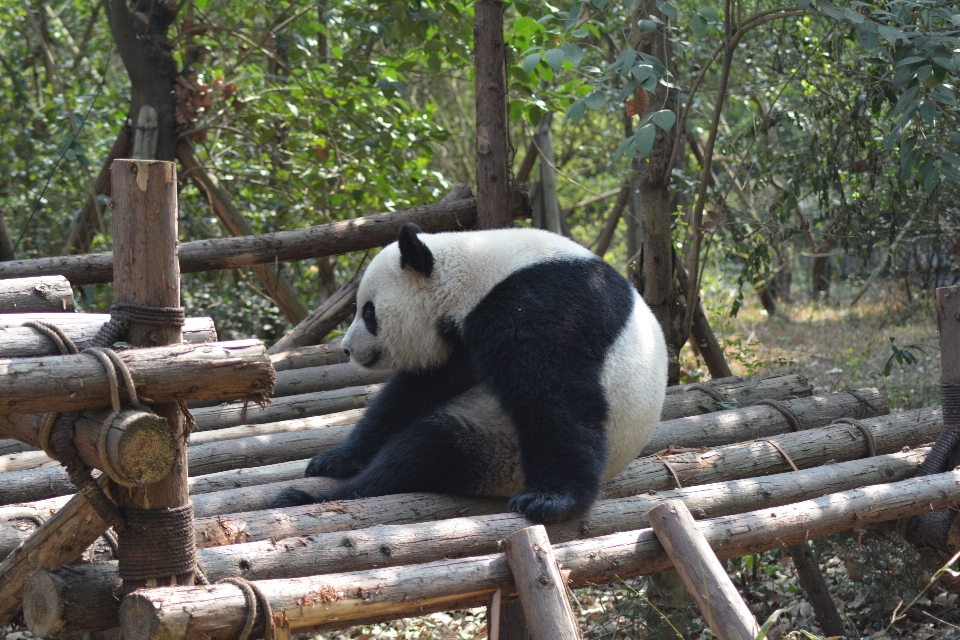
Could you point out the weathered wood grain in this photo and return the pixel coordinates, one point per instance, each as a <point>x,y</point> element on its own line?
<point>238,369</point>
<point>21,342</point>
<point>52,294</point>
<point>340,600</point>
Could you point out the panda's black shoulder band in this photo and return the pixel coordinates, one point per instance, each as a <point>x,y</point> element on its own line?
<point>413,252</point>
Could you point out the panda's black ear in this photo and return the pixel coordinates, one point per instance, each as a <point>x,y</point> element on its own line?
<point>413,252</point>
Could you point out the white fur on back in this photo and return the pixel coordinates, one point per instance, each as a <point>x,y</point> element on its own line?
<point>467,265</point>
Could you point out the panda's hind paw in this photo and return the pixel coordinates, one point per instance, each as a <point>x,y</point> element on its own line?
<point>544,506</point>
<point>335,463</point>
<point>291,497</point>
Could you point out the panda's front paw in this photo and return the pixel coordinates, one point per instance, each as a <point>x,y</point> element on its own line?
<point>544,506</point>
<point>338,462</point>
<point>291,497</point>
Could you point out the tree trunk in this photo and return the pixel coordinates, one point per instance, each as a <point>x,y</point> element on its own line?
<point>549,205</point>
<point>324,319</point>
<point>655,277</point>
<point>493,147</point>
<point>141,39</point>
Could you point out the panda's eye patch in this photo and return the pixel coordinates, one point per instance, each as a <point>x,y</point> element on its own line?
<point>369,315</point>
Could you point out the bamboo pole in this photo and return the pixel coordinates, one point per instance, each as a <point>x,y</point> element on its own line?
<point>722,607</point>
<point>340,550</point>
<point>339,600</point>
<point>46,293</point>
<point>23,342</point>
<point>539,585</point>
<point>238,369</point>
<point>335,238</point>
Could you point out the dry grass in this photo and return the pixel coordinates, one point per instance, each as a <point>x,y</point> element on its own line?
<point>834,345</point>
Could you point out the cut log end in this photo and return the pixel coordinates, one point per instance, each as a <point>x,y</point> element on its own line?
<point>43,608</point>
<point>145,450</point>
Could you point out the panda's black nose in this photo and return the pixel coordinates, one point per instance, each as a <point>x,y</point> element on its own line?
<point>347,351</point>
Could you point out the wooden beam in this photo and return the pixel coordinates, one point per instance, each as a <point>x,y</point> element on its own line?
<point>722,607</point>
<point>239,369</point>
<point>340,549</point>
<point>46,293</point>
<point>218,612</point>
<point>17,341</point>
<point>283,246</point>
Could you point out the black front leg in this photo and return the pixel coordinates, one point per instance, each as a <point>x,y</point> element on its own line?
<point>405,398</point>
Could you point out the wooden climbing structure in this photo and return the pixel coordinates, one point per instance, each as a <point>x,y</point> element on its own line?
<point>179,444</point>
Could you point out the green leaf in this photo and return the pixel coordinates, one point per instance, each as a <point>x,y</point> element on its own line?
<point>710,14</point>
<point>831,10</point>
<point>555,58</point>
<point>573,53</point>
<point>951,173</point>
<point>646,26</point>
<point>596,100</point>
<point>765,629</point>
<point>929,176</point>
<point>867,32</point>
<point>624,61</point>
<point>526,26</point>
<point>952,158</point>
<point>890,34</point>
<point>531,61</point>
<point>667,9</point>
<point>623,148</point>
<point>928,112</point>
<point>644,139</point>
<point>579,33</point>
<point>954,137</point>
<point>944,95</point>
<point>700,26</point>
<point>853,16</point>
<point>200,4</point>
<point>641,72</point>
<point>908,97</point>
<point>910,60</point>
<point>803,4</point>
<point>576,111</point>
<point>664,119</point>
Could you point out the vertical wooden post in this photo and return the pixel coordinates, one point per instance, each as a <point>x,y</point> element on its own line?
<point>815,588</point>
<point>541,588</point>
<point>548,176</point>
<point>939,529</point>
<point>711,587</point>
<point>493,197</point>
<point>147,272</point>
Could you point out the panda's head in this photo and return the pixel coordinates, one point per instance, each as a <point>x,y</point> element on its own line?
<point>398,321</point>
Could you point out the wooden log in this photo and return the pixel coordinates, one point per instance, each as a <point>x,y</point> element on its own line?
<point>52,601</point>
<point>815,588</point>
<point>145,241</point>
<point>324,319</point>
<point>139,447</point>
<point>722,607</point>
<point>26,295</point>
<point>339,600</point>
<point>238,369</point>
<point>285,444</point>
<point>390,545</point>
<point>806,448</point>
<point>288,408</point>
<point>14,446</point>
<point>335,238</point>
<point>542,591</point>
<point>317,355</point>
<point>21,342</point>
<point>688,402</point>
<point>294,382</point>
<point>61,540</point>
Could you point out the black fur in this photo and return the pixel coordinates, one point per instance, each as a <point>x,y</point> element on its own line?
<point>538,340</point>
<point>413,252</point>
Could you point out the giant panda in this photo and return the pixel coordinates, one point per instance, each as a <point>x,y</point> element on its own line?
<point>524,366</point>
